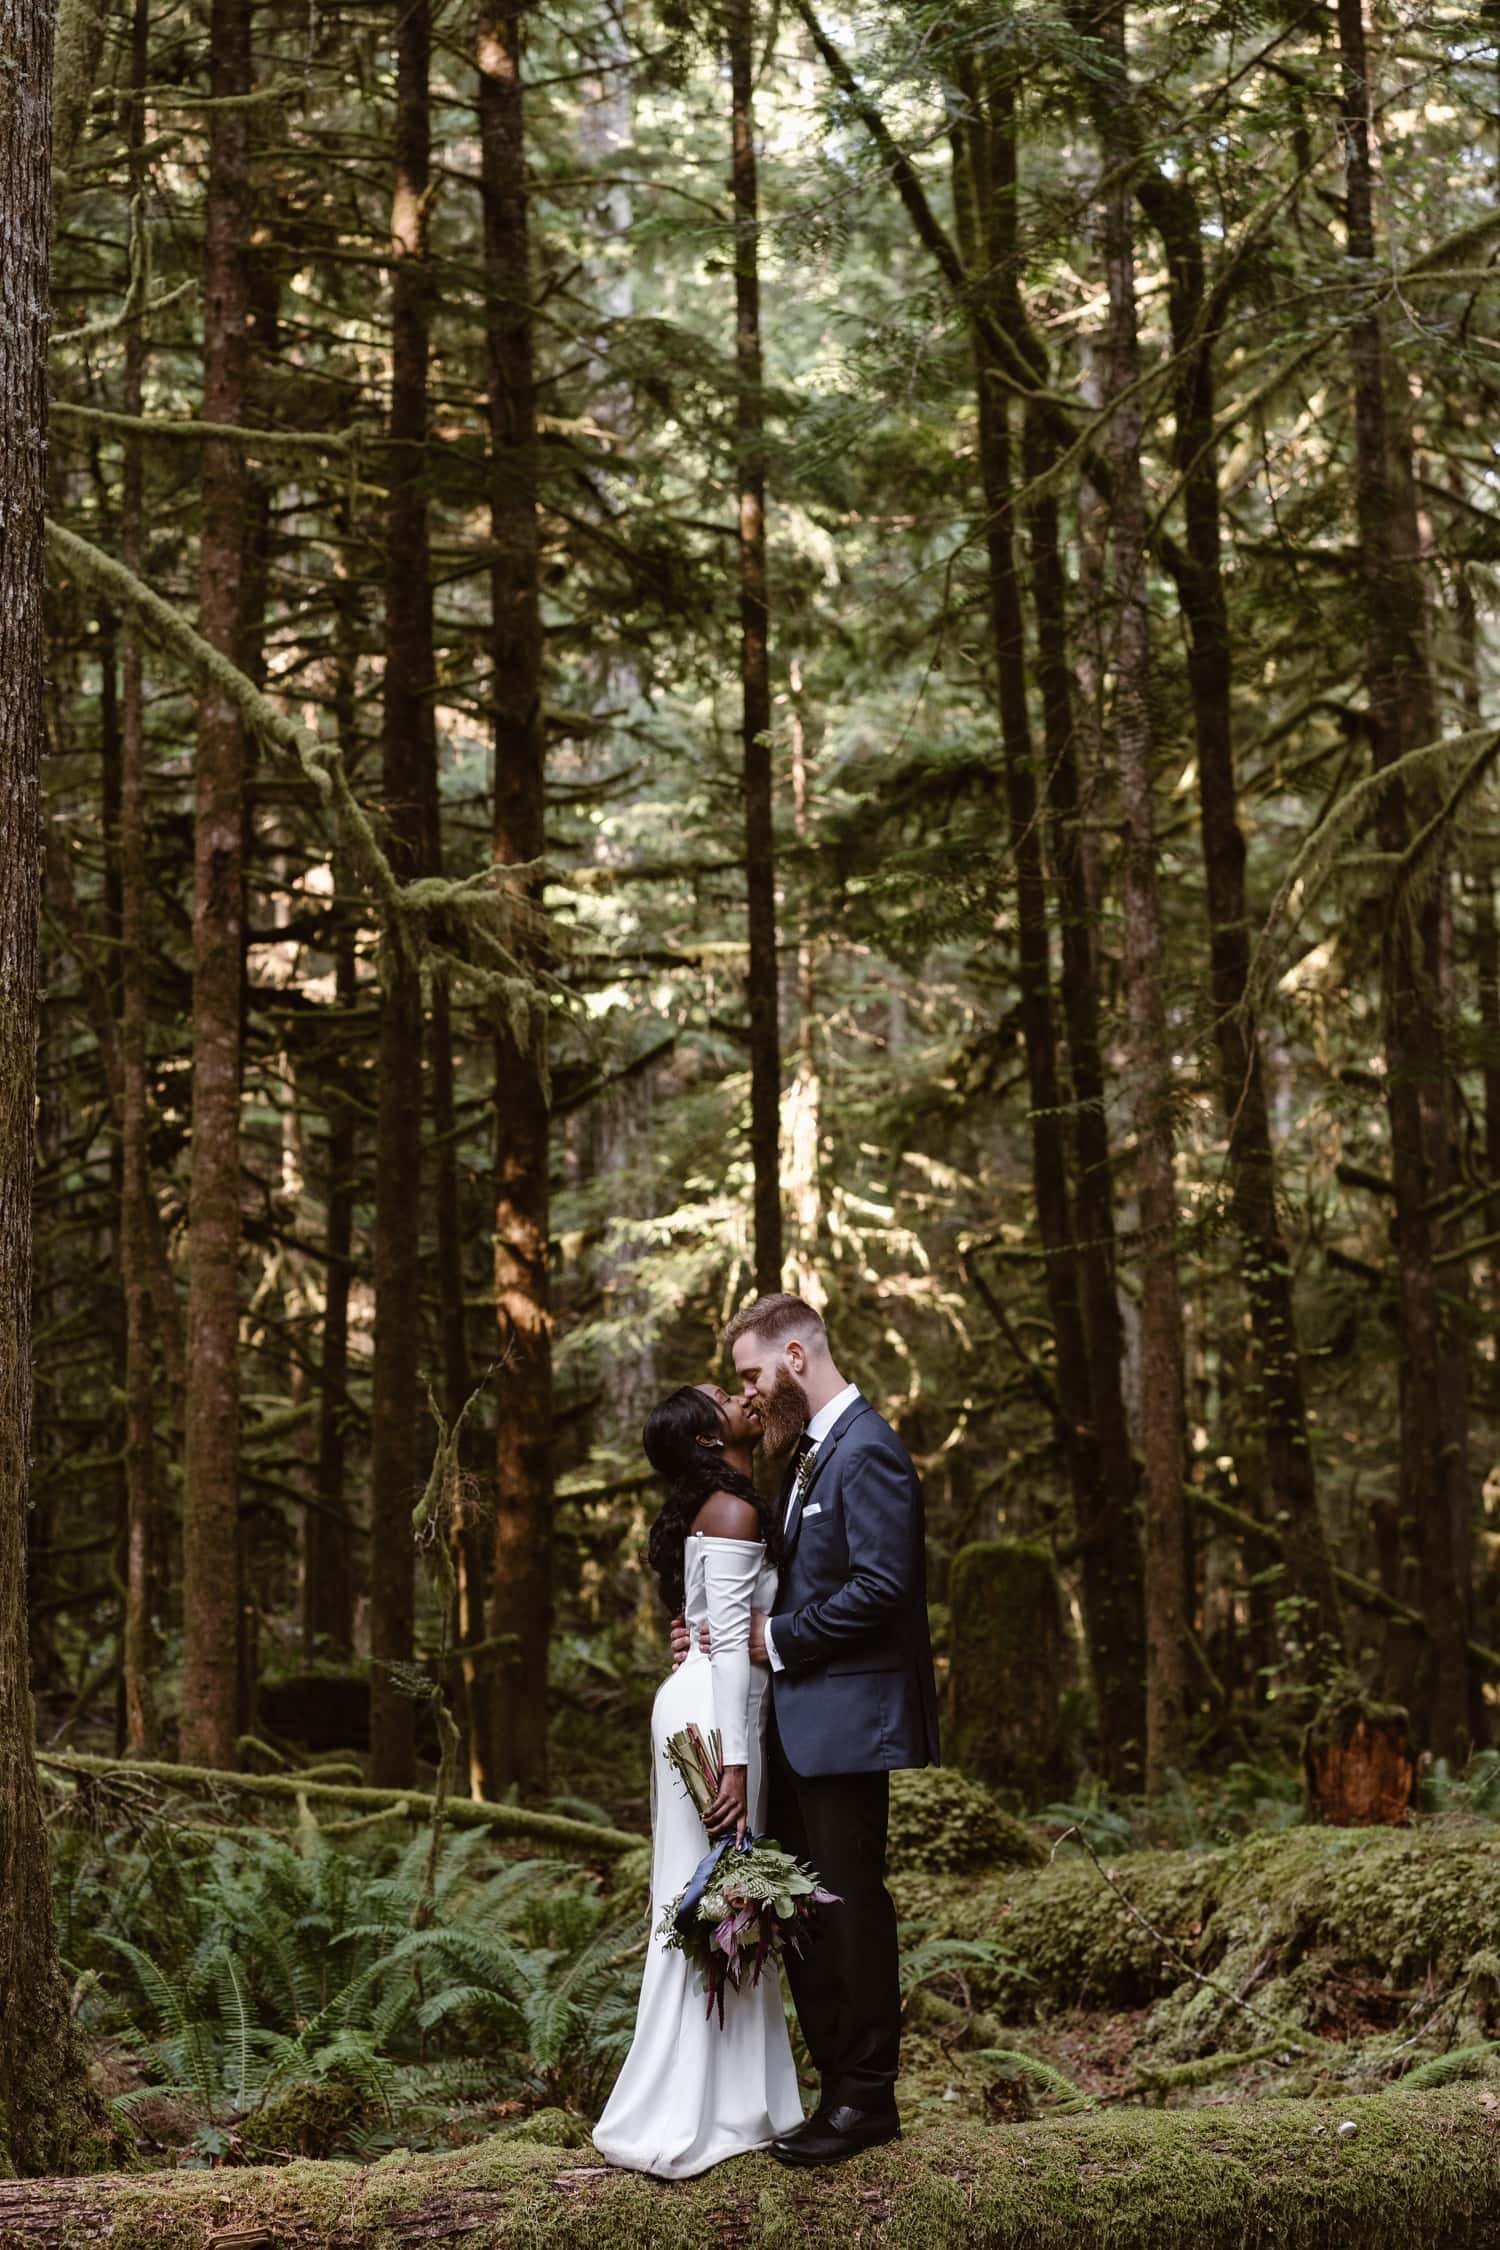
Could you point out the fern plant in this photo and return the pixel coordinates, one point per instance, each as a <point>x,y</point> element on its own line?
<point>237,1969</point>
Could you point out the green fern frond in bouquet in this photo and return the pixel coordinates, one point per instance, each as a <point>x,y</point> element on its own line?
<point>746,1904</point>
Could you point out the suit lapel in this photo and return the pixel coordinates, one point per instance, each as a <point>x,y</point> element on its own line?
<point>821,1460</point>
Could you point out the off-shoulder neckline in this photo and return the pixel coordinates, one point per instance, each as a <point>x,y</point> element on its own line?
<point>725,1539</point>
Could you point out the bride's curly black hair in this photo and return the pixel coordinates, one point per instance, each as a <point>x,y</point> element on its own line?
<point>691,1472</point>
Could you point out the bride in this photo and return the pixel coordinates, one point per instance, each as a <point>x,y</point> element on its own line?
<point>691,2094</point>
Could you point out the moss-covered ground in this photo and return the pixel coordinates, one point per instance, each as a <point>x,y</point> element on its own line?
<point>1381,2173</point>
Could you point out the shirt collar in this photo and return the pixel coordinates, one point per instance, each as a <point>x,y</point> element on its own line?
<point>823,1421</point>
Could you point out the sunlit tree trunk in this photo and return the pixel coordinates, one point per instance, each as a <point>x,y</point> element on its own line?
<point>1435,1497</point>
<point>46,2110</point>
<point>210,1567</point>
<point>509,1744</point>
<point>755,658</point>
<point>407,760</point>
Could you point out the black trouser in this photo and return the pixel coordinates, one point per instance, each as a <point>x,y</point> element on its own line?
<point>846,1980</point>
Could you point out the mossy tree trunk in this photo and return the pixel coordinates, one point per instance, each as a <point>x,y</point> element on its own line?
<point>46,2112</point>
<point>1008,1647</point>
<point>408,755</point>
<point>144,1541</point>
<point>211,1592</point>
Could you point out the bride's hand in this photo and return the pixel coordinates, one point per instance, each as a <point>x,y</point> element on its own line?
<point>728,1815</point>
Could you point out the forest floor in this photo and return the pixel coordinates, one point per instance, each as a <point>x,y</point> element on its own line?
<point>1283,2037</point>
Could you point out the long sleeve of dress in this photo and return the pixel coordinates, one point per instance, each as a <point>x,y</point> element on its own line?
<point>730,1569</point>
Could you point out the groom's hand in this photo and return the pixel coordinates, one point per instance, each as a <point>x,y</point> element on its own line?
<point>758,1637</point>
<point>682,1641</point>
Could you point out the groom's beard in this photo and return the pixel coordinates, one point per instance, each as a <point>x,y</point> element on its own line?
<point>784,1412</point>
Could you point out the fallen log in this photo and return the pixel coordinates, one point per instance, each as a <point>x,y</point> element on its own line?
<point>1383,2172</point>
<point>458,1812</point>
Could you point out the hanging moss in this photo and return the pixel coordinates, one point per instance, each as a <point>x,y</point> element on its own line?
<point>1009,1653</point>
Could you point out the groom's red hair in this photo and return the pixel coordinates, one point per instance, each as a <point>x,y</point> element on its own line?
<point>774,1318</point>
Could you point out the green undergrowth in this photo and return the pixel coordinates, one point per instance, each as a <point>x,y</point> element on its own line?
<point>1378,2174</point>
<point>1308,1920</point>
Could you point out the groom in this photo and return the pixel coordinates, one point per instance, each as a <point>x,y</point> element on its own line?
<point>852,1698</point>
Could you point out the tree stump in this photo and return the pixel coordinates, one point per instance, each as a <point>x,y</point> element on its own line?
<point>1008,1647</point>
<point>1358,1762</point>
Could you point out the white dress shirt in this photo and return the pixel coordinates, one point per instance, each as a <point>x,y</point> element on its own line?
<point>817,1429</point>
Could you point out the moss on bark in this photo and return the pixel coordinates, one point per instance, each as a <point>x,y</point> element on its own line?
<point>1415,2168</point>
<point>1009,1652</point>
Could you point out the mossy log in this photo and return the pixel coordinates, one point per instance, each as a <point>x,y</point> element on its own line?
<point>1380,2173</point>
<point>579,1836</point>
<point>1405,1907</point>
<point>1009,1650</point>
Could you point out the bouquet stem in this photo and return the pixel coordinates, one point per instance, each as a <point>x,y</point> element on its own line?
<point>698,1762</point>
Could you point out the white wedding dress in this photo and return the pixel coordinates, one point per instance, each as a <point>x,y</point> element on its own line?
<point>691,2094</point>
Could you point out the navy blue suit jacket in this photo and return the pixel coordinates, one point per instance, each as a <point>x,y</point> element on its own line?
<point>856,1693</point>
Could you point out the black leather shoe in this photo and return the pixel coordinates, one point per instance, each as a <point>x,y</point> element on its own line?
<point>831,2135</point>
<point>812,2123</point>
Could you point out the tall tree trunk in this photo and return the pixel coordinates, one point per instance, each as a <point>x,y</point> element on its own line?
<point>327,1560</point>
<point>327,1549</point>
<point>210,1572</point>
<point>140,1649</point>
<point>407,759</point>
<point>1149,1062</point>
<point>755,659</point>
<point>986,203</point>
<point>1113,1549</point>
<point>1289,1469</point>
<point>509,1744</point>
<point>1112,1552</point>
<point>1402,716</point>
<point>46,2110</point>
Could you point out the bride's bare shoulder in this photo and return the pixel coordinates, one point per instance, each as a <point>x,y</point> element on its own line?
<point>724,1515</point>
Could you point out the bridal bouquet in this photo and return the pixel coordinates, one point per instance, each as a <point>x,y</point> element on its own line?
<point>746,1904</point>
